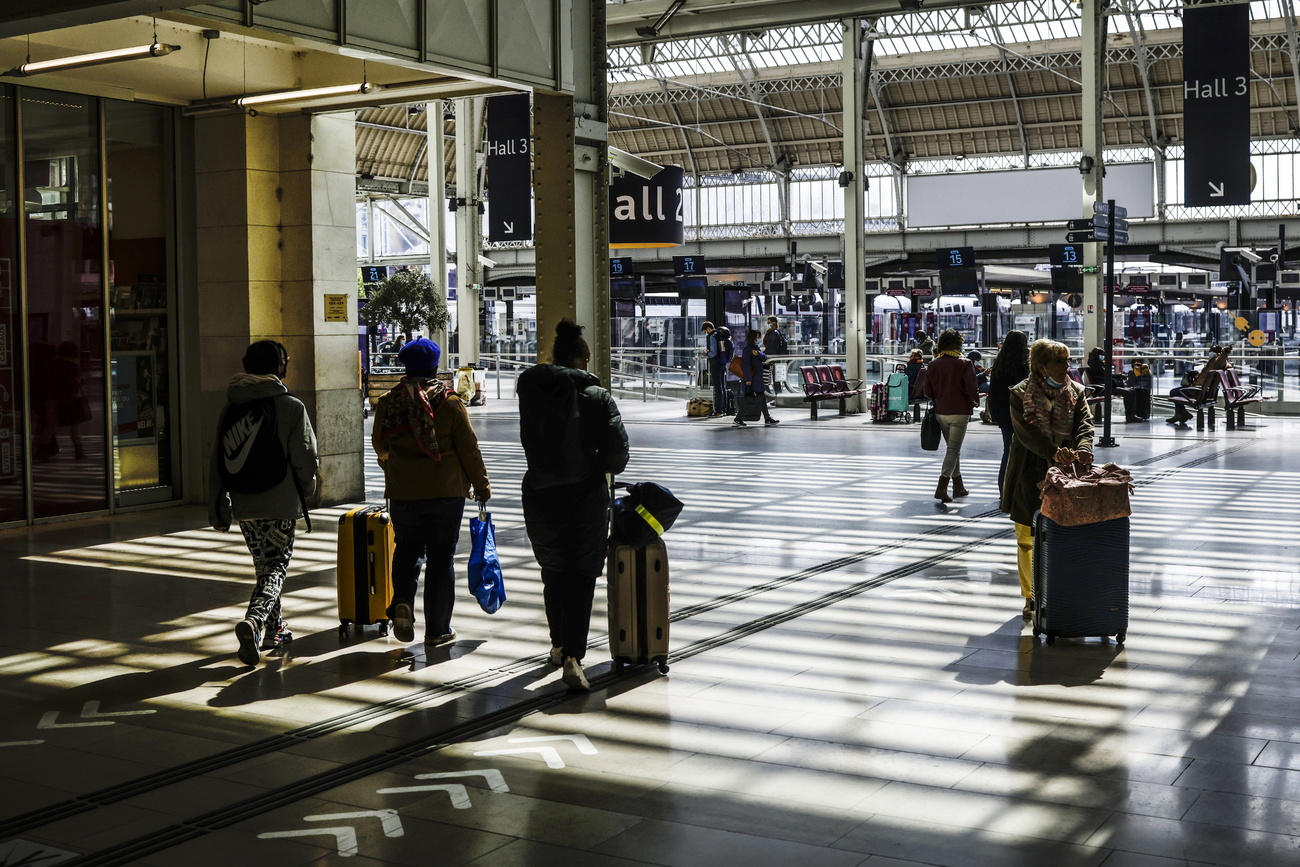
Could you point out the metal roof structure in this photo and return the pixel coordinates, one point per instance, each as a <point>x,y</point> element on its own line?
<point>997,82</point>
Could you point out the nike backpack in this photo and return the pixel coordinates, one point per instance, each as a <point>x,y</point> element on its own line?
<point>251,458</point>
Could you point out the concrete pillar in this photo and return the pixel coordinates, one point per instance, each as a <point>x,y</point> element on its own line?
<point>275,202</point>
<point>469,227</point>
<point>437,209</point>
<point>1093,52</point>
<point>571,196</point>
<point>856,312</point>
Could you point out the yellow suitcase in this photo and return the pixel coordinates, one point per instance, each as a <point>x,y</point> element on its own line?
<point>365,568</point>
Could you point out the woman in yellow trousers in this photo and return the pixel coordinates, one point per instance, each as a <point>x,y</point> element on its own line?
<point>1052,424</point>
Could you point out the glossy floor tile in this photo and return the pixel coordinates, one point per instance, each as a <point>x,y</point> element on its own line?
<point>851,680</point>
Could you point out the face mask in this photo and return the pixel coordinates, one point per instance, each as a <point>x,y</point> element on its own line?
<point>1053,383</point>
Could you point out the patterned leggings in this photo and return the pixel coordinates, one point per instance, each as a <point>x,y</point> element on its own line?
<point>271,544</point>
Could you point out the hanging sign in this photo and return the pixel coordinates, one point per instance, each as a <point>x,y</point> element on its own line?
<point>647,213</point>
<point>509,167</point>
<point>1216,104</point>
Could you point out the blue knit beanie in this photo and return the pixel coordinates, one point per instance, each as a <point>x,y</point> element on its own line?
<point>420,355</point>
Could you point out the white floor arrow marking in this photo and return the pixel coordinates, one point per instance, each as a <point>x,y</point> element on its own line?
<point>345,837</point>
<point>582,742</point>
<point>19,743</point>
<point>549,754</point>
<point>389,820</point>
<point>491,776</point>
<point>90,710</point>
<point>552,757</point>
<point>458,794</point>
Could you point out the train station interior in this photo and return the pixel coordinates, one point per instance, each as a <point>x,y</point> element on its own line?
<point>850,678</point>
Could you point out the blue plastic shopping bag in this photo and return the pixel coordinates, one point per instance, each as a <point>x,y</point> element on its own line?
<point>485,580</point>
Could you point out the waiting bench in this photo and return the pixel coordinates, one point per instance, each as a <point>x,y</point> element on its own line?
<point>1236,397</point>
<point>827,382</point>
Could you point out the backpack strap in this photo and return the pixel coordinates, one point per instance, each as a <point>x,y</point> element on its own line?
<point>297,486</point>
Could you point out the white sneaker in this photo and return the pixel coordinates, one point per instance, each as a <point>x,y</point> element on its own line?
<point>556,656</point>
<point>403,623</point>
<point>573,676</point>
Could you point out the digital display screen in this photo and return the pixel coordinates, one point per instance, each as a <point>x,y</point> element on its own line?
<point>621,267</point>
<point>692,287</point>
<point>955,257</point>
<point>959,281</point>
<point>687,266</point>
<point>1061,255</point>
<point>374,273</point>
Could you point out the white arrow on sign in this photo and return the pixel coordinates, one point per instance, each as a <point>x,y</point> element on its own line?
<point>510,227</point>
<point>549,754</point>
<point>1215,189</point>
<point>459,794</point>
<point>90,710</point>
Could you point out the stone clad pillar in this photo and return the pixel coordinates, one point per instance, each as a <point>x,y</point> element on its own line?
<point>275,216</point>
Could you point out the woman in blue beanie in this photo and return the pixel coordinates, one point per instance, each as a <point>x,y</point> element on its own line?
<point>430,458</point>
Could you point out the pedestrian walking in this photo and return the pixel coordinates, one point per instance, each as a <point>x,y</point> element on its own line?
<point>263,468</point>
<point>574,441</point>
<point>950,383</point>
<point>1053,425</point>
<point>1009,368</point>
<point>429,453</point>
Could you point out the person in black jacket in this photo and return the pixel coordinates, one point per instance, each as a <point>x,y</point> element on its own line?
<point>1009,368</point>
<point>573,437</point>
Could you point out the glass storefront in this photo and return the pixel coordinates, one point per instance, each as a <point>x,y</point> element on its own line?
<point>84,396</point>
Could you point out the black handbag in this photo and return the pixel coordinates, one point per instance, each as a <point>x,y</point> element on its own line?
<point>931,435</point>
<point>644,514</point>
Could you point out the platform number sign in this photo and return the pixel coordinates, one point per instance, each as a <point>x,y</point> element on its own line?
<point>955,257</point>
<point>620,267</point>
<point>1065,255</point>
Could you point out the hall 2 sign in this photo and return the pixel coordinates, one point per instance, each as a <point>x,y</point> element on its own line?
<point>647,213</point>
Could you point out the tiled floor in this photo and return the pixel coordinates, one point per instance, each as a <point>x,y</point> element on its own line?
<point>852,683</point>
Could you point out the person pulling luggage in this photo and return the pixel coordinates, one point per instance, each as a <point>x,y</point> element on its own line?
<point>752,361</point>
<point>432,464</point>
<point>573,438</point>
<point>950,383</point>
<point>263,468</point>
<point>1051,424</point>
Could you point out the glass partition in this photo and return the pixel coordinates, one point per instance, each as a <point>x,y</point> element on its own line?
<point>13,455</point>
<point>65,332</point>
<point>142,333</point>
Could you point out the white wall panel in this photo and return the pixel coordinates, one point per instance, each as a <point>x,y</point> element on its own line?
<point>1027,196</point>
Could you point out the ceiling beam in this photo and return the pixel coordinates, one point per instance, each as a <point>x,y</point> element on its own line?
<point>24,17</point>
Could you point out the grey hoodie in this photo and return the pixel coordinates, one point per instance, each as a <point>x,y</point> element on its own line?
<point>299,441</point>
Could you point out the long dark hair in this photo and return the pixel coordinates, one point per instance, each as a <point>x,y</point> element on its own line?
<point>1012,363</point>
<point>569,346</point>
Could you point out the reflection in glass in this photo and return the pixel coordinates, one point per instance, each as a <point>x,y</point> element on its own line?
<point>64,294</point>
<point>12,453</point>
<point>138,145</point>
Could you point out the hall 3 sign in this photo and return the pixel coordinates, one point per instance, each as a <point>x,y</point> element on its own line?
<point>647,212</point>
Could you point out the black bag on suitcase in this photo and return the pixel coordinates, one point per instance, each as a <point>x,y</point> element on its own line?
<point>1081,579</point>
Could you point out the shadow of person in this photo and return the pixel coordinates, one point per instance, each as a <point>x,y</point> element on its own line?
<point>139,686</point>
<point>434,654</point>
<point>1007,655</point>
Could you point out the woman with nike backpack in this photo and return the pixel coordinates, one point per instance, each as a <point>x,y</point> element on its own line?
<point>263,469</point>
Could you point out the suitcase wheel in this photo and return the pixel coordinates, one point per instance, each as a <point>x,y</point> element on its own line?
<point>663,666</point>
<point>1051,638</point>
<point>618,666</point>
<point>383,627</point>
<point>1119,639</point>
<point>343,630</point>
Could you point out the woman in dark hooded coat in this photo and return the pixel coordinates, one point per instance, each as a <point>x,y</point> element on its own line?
<point>573,438</point>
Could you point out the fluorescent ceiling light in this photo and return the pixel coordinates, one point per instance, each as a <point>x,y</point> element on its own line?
<point>311,93</point>
<point>79,61</point>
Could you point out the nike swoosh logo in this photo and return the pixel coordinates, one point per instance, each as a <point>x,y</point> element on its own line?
<point>236,463</point>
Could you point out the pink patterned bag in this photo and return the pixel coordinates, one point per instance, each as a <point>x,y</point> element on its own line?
<point>1072,498</point>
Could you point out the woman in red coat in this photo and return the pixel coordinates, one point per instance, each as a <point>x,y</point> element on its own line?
<point>950,383</point>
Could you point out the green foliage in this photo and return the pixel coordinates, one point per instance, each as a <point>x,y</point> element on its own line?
<point>408,300</point>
